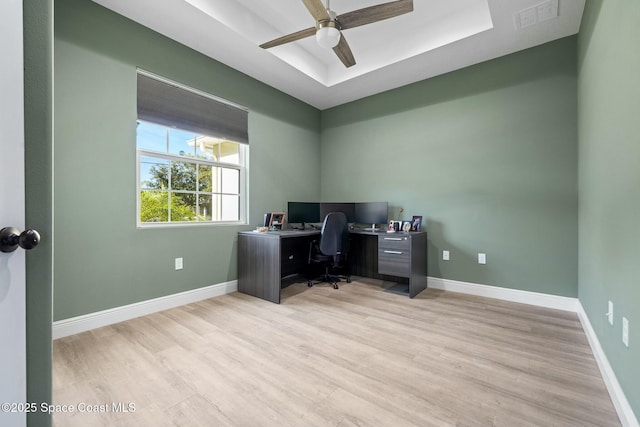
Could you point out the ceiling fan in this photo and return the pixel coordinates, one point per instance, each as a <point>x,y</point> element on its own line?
<point>329,26</point>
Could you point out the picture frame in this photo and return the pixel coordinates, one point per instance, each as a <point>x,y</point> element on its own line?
<point>406,226</point>
<point>391,226</point>
<point>277,220</point>
<point>416,223</point>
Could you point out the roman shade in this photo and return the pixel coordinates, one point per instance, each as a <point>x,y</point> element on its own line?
<point>172,105</point>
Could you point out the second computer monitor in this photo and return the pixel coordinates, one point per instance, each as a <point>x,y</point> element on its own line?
<point>371,213</point>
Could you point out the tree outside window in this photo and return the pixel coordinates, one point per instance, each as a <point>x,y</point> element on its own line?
<point>187,178</point>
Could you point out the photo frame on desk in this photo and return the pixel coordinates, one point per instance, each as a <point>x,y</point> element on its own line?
<point>416,223</point>
<point>276,221</point>
<point>406,225</point>
<point>394,226</point>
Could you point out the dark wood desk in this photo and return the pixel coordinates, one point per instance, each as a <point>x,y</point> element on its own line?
<point>265,258</point>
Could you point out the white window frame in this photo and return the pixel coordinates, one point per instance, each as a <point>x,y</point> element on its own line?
<point>243,155</point>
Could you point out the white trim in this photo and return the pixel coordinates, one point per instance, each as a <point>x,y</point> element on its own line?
<point>169,157</point>
<point>620,402</point>
<point>86,322</point>
<point>513,295</point>
<point>74,325</point>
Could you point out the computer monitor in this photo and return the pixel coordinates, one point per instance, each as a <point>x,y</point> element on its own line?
<point>303,212</point>
<point>347,208</point>
<point>371,213</point>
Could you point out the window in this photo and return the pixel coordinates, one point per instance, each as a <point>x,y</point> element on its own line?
<point>189,169</point>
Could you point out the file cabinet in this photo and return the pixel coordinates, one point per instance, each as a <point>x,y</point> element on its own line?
<point>404,255</point>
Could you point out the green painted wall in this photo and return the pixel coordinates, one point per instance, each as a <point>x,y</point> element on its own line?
<point>609,165</point>
<point>488,156</point>
<point>38,103</point>
<point>101,259</point>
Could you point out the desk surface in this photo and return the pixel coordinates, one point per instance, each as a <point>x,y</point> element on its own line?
<point>298,233</point>
<point>282,233</point>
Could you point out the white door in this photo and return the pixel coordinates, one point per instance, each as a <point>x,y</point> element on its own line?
<point>13,389</point>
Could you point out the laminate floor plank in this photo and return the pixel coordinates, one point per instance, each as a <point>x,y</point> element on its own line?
<point>356,356</point>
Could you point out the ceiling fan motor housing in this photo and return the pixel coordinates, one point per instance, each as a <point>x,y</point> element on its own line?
<point>327,34</point>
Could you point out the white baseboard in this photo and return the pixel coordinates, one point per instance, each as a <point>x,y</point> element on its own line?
<point>620,402</point>
<point>75,325</point>
<point>513,295</point>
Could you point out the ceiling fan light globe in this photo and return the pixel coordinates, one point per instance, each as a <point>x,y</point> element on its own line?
<point>328,37</point>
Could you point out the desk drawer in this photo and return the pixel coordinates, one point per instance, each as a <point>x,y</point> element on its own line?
<point>394,255</point>
<point>397,243</point>
<point>394,262</point>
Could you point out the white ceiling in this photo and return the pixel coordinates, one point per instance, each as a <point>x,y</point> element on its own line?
<point>439,36</point>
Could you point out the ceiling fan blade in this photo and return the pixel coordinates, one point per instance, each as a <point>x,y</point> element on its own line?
<point>289,38</point>
<point>344,52</point>
<point>317,10</point>
<point>376,13</point>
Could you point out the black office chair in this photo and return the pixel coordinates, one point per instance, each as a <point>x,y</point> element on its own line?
<point>331,250</point>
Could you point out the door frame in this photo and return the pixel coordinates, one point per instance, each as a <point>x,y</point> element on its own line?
<point>38,17</point>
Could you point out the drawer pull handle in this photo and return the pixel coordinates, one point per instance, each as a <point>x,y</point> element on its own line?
<point>393,252</point>
<point>392,238</point>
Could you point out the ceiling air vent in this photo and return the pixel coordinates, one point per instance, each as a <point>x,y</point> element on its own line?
<point>533,15</point>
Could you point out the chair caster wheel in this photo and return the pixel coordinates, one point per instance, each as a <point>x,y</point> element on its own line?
<point>335,286</point>
<point>309,283</point>
<point>348,279</point>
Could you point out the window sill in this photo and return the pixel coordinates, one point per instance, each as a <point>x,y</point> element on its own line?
<point>157,225</point>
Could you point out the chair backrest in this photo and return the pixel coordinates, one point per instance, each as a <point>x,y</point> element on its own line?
<point>334,234</point>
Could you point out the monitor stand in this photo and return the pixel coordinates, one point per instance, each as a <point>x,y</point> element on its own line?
<point>372,228</point>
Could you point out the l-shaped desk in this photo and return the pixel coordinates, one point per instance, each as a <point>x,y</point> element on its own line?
<point>265,258</point>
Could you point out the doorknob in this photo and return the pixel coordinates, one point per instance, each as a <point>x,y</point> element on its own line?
<point>10,239</point>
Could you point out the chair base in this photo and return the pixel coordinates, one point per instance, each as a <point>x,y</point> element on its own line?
<point>329,279</point>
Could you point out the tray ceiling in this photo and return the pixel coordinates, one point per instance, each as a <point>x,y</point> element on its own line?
<point>436,38</point>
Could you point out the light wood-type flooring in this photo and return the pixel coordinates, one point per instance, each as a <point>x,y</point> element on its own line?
<point>357,356</point>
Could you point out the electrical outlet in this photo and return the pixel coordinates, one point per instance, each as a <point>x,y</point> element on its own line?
<point>445,255</point>
<point>610,313</point>
<point>625,331</point>
<point>179,264</point>
<point>482,258</point>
